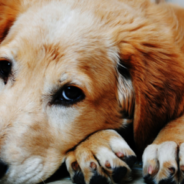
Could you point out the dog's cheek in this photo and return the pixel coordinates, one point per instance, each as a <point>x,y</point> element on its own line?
<point>92,119</point>
<point>38,139</point>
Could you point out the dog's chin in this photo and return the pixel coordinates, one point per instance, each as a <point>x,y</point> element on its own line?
<point>60,173</point>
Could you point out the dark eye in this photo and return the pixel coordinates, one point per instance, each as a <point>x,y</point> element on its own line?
<point>68,95</point>
<point>5,70</point>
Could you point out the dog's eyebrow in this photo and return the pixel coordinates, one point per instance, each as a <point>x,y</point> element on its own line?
<point>6,53</point>
<point>63,78</point>
<point>78,79</point>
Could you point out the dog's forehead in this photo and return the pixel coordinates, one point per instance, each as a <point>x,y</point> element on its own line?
<point>59,23</point>
<point>61,39</point>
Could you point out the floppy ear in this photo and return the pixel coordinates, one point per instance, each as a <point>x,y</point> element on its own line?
<point>156,72</point>
<point>9,10</point>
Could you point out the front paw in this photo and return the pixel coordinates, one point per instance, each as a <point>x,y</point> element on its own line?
<point>164,163</point>
<point>101,159</point>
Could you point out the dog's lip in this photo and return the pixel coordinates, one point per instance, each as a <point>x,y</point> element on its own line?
<point>60,173</point>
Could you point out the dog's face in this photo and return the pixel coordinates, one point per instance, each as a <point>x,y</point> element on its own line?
<point>62,78</point>
<point>58,84</point>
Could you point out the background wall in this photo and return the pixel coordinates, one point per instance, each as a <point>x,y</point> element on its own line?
<point>180,2</point>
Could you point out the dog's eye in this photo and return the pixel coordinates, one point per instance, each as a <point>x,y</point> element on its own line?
<point>5,69</point>
<point>68,95</point>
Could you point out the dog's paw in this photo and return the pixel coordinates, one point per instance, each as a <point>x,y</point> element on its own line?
<point>103,158</point>
<point>164,163</point>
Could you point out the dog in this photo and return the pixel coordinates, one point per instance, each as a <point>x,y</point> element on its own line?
<point>72,72</point>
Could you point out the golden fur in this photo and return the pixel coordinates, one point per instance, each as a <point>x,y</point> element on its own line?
<point>53,43</point>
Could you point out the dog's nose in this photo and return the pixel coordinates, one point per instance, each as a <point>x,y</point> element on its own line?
<point>3,168</point>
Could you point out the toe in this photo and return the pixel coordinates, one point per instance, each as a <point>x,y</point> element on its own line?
<point>71,164</point>
<point>159,163</point>
<point>89,166</point>
<point>74,169</point>
<point>121,148</point>
<point>150,162</point>
<point>116,168</point>
<point>168,163</point>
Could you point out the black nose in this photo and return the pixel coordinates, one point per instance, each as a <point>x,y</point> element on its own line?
<point>3,169</point>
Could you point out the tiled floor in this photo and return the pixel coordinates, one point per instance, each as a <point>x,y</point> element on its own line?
<point>180,2</point>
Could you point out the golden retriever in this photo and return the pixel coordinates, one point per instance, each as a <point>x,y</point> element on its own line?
<point>71,69</point>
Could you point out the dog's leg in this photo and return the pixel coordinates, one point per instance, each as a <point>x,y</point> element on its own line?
<point>103,158</point>
<point>163,161</point>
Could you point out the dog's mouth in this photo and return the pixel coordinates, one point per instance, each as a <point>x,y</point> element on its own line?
<point>60,173</point>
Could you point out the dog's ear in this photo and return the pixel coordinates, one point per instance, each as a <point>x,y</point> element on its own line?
<point>156,73</point>
<point>9,10</point>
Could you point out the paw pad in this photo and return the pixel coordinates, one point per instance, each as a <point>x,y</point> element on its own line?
<point>75,166</point>
<point>108,165</point>
<point>98,179</point>
<point>93,166</point>
<point>118,174</point>
<point>172,170</point>
<point>78,178</point>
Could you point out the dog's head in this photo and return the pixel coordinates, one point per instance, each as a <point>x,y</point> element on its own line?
<point>58,84</point>
<point>68,69</point>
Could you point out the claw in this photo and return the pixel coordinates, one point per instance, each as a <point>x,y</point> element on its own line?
<point>108,165</point>
<point>150,170</point>
<point>75,166</point>
<point>93,166</point>
<point>172,170</point>
<point>182,168</point>
<point>120,155</point>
